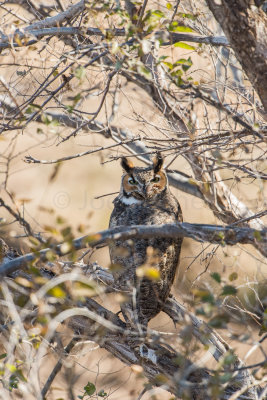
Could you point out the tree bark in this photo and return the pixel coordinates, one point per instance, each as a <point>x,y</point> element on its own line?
<point>245,27</point>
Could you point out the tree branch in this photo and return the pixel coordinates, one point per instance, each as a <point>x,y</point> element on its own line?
<point>210,233</point>
<point>245,26</point>
<point>32,33</point>
<point>59,18</point>
<point>156,359</point>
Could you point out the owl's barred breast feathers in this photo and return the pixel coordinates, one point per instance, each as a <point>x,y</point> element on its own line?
<point>144,199</point>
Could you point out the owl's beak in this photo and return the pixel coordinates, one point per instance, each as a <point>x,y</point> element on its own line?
<point>139,196</point>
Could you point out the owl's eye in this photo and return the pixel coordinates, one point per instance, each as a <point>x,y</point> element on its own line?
<point>132,181</point>
<point>155,179</point>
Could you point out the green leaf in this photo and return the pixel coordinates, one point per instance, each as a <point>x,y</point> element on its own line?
<point>90,388</point>
<point>181,29</point>
<point>205,295</point>
<point>66,232</point>
<point>168,64</point>
<point>46,119</point>
<point>184,46</point>
<point>80,72</point>
<point>102,393</point>
<point>13,382</point>
<point>219,321</point>
<point>169,6</point>
<point>3,356</point>
<point>229,290</point>
<point>233,276</point>
<point>186,15</point>
<point>161,58</point>
<point>29,110</point>
<point>229,359</point>
<point>216,276</point>
<point>77,98</point>
<point>177,72</point>
<point>257,235</point>
<point>183,61</point>
<point>226,377</point>
<point>69,108</point>
<point>21,73</point>
<point>35,106</point>
<point>60,220</point>
<point>144,71</point>
<point>158,13</point>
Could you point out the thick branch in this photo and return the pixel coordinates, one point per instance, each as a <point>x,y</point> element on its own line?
<point>17,39</point>
<point>182,379</point>
<point>155,359</point>
<point>210,233</point>
<point>59,18</point>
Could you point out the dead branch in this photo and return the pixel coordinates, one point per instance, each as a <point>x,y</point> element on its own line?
<point>156,359</point>
<point>211,233</point>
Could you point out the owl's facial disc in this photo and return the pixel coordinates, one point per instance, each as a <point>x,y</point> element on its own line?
<point>146,188</point>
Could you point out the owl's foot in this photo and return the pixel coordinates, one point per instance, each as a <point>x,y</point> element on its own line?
<point>135,342</point>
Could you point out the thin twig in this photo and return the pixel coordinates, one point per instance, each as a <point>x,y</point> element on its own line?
<point>104,195</point>
<point>142,13</point>
<point>58,366</point>
<point>30,159</point>
<point>258,215</point>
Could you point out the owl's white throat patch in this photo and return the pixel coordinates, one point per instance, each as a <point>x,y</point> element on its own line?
<point>129,200</point>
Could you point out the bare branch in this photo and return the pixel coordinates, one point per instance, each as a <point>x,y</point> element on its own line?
<point>18,217</point>
<point>58,366</point>
<point>246,29</point>
<point>210,233</point>
<point>59,18</point>
<point>157,359</point>
<point>30,159</point>
<point>29,37</point>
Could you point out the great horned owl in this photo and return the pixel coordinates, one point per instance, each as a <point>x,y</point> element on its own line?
<point>144,199</point>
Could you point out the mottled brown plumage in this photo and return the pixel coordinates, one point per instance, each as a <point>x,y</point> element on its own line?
<point>144,199</point>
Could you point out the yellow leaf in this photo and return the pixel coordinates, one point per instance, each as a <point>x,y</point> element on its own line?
<point>148,272</point>
<point>17,40</point>
<point>93,238</point>
<point>83,290</point>
<point>192,181</point>
<point>184,46</point>
<point>57,292</point>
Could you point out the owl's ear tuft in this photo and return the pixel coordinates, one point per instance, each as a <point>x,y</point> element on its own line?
<point>127,165</point>
<point>157,162</point>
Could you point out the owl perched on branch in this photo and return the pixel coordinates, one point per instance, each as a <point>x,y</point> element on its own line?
<point>144,268</point>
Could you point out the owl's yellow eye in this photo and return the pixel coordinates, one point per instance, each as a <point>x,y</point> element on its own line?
<point>132,181</point>
<point>155,179</point>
